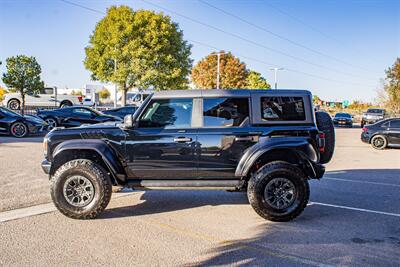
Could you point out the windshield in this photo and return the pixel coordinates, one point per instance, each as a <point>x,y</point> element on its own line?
<point>342,115</point>
<point>375,110</point>
<point>8,112</point>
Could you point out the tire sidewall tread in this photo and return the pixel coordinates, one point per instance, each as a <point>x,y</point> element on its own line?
<point>92,171</point>
<point>259,180</point>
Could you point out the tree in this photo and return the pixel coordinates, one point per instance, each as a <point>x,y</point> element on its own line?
<point>3,91</point>
<point>233,72</point>
<point>23,74</point>
<point>391,88</point>
<point>104,93</point>
<point>138,49</point>
<point>256,81</point>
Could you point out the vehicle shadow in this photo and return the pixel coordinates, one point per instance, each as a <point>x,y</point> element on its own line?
<point>162,201</point>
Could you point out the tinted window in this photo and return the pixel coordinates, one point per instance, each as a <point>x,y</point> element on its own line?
<point>167,113</point>
<point>82,111</point>
<point>282,109</point>
<point>395,124</point>
<point>342,115</point>
<point>375,110</point>
<point>225,112</point>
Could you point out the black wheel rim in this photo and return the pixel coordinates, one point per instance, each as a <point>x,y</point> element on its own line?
<point>18,129</point>
<point>78,191</point>
<point>280,193</point>
<point>378,142</point>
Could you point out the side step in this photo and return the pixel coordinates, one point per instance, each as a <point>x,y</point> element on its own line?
<point>185,184</point>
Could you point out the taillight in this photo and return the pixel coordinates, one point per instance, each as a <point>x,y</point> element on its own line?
<point>80,98</point>
<point>321,142</point>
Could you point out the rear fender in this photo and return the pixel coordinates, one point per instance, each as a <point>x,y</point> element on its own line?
<point>98,149</point>
<point>296,150</point>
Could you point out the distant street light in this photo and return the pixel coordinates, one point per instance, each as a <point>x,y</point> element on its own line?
<point>276,74</point>
<point>218,65</point>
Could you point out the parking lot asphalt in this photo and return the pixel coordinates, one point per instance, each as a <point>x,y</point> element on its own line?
<point>353,219</point>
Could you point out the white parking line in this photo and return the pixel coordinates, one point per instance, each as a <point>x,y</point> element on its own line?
<point>356,209</point>
<point>16,214</point>
<point>358,181</point>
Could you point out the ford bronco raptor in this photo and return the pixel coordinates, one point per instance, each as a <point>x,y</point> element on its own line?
<point>266,142</point>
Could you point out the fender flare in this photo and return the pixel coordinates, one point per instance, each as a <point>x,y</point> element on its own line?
<point>300,146</point>
<point>107,154</point>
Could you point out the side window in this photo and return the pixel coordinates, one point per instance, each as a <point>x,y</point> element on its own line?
<point>282,109</point>
<point>225,112</point>
<point>395,124</point>
<point>167,113</point>
<point>82,111</point>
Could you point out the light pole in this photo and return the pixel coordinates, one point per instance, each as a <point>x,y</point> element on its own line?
<point>116,86</point>
<point>218,65</point>
<point>276,75</point>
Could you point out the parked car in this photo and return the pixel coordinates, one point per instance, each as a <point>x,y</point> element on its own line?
<point>186,139</point>
<point>14,124</point>
<point>382,134</point>
<point>46,97</point>
<point>121,112</point>
<point>343,119</point>
<point>74,116</point>
<point>373,115</point>
<point>87,102</point>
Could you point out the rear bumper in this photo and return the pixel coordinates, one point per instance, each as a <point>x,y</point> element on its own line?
<point>365,138</point>
<point>46,166</point>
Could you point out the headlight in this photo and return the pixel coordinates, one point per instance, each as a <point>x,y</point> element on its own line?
<point>45,146</point>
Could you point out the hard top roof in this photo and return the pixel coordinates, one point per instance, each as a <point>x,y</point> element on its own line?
<point>227,93</point>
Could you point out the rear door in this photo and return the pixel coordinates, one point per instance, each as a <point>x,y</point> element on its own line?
<point>4,124</point>
<point>224,136</point>
<point>394,132</point>
<point>163,143</point>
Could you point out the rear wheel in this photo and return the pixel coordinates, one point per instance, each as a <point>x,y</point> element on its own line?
<point>65,104</point>
<point>81,189</point>
<point>14,104</point>
<point>325,124</point>
<point>278,191</point>
<point>19,129</point>
<point>51,123</point>
<point>379,142</point>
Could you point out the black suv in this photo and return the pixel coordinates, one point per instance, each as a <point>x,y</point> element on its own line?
<point>266,142</point>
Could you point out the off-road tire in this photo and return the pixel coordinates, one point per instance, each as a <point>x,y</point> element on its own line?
<point>97,176</point>
<point>383,142</point>
<point>325,124</point>
<point>260,179</point>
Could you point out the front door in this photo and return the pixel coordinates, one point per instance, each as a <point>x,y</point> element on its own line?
<point>224,137</point>
<point>162,144</point>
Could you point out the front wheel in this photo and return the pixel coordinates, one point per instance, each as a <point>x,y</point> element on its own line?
<point>14,104</point>
<point>81,189</point>
<point>278,191</point>
<point>51,123</point>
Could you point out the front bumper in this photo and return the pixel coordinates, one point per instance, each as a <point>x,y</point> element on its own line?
<point>46,166</point>
<point>37,129</point>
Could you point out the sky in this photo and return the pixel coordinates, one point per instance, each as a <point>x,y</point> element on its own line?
<point>338,49</point>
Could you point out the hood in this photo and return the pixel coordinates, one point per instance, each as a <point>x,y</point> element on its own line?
<point>33,119</point>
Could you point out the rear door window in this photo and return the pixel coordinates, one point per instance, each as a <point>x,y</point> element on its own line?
<point>225,112</point>
<point>282,108</point>
<point>395,124</point>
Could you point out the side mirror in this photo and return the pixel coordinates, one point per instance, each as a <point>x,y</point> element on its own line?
<point>128,121</point>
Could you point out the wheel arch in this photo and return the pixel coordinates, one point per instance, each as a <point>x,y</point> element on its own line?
<point>95,150</point>
<point>299,153</point>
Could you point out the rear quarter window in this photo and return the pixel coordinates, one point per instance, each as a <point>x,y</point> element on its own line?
<point>282,108</point>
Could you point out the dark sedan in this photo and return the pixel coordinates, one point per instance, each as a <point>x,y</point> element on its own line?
<point>382,134</point>
<point>121,112</point>
<point>343,119</point>
<point>74,116</point>
<point>12,123</point>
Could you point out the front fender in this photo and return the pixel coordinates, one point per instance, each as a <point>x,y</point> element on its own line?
<point>300,146</point>
<point>108,155</point>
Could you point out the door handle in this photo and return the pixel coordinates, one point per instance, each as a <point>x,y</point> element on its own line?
<point>244,138</point>
<point>182,139</point>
